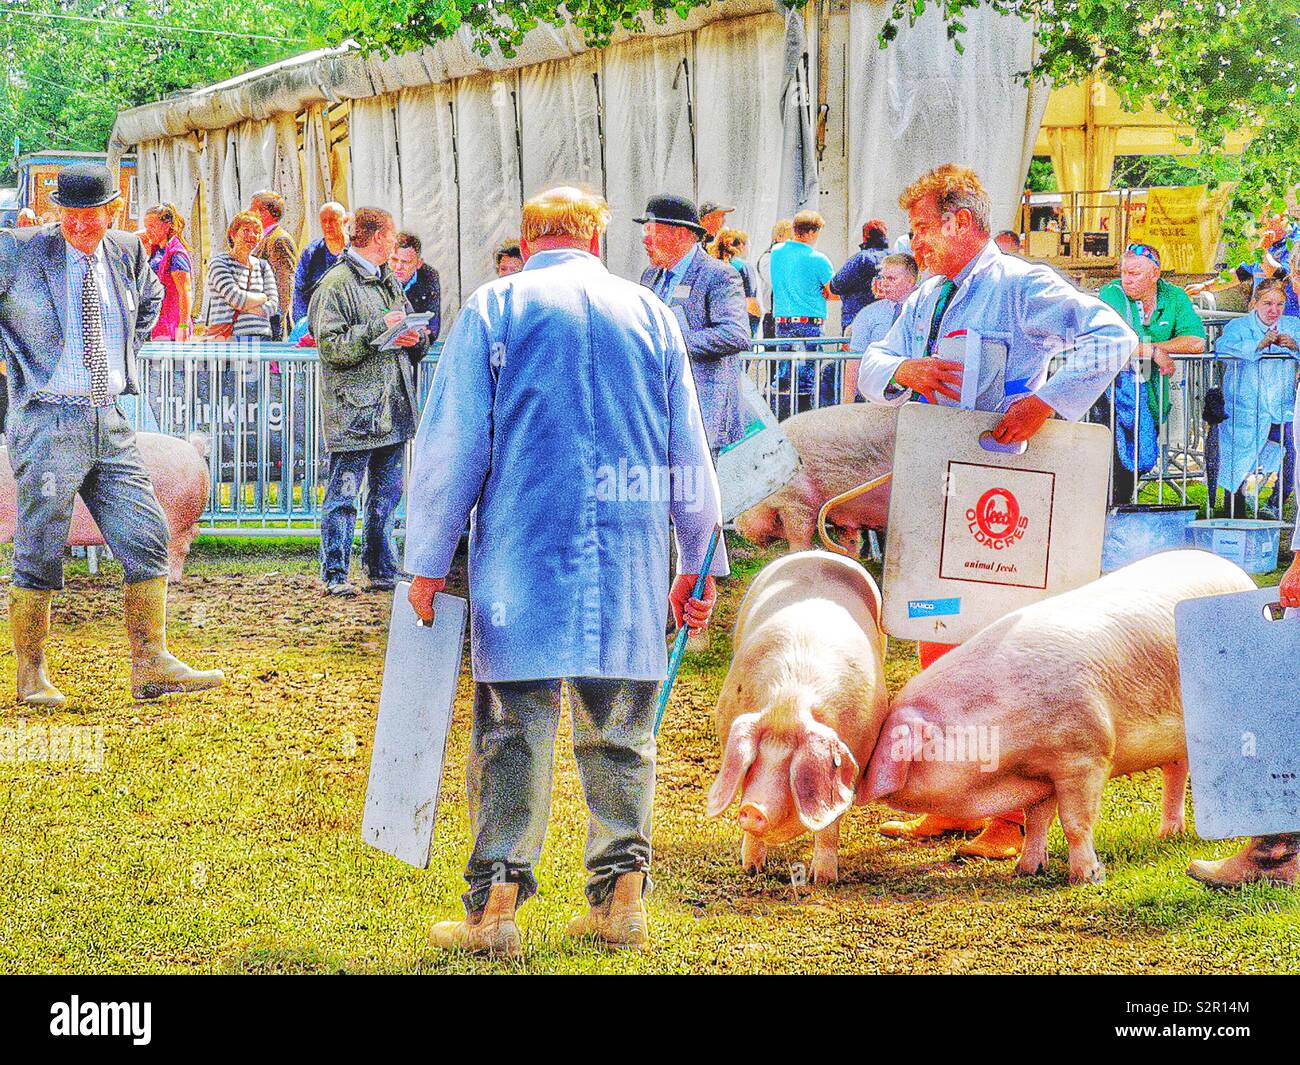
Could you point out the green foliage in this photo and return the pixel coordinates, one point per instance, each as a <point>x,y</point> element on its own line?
<point>66,80</point>
<point>1041,176</point>
<point>1218,66</point>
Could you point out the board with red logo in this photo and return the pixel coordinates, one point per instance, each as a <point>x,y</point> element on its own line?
<point>977,531</point>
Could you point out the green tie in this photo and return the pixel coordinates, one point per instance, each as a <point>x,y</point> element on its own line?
<point>940,306</point>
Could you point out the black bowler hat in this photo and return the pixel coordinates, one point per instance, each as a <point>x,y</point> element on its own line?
<point>673,211</point>
<point>85,185</point>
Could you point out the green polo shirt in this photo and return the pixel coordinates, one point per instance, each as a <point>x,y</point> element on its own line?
<point>1174,316</point>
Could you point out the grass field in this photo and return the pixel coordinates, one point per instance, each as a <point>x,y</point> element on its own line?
<point>221,831</point>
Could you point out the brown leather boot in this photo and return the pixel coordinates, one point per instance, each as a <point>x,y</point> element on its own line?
<point>1271,858</point>
<point>155,671</point>
<point>29,620</point>
<point>1002,839</point>
<point>930,826</point>
<point>491,930</point>
<point>620,920</point>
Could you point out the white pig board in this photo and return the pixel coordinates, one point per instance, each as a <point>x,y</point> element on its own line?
<point>421,669</point>
<point>1240,673</point>
<point>975,534</point>
<point>761,462</point>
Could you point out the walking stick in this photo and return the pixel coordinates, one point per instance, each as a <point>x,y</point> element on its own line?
<point>679,642</point>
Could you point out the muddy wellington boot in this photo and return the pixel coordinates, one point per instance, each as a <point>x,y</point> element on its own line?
<point>1271,858</point>
<point>1004,838</point>
<point>620,920</point>
<point>29,618</point>
<point>930,826</point>
<point>154,671</point>
<point>491,930</point>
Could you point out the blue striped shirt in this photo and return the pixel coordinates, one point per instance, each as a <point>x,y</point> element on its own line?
<point>71,377</point>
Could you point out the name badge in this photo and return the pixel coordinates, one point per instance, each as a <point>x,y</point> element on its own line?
<point>681,292</point>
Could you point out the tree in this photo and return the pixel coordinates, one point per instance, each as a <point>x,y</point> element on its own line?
<point>66,79</point>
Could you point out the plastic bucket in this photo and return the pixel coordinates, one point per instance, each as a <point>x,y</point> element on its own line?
<point>1252,544</point>
<point>1135,530</point>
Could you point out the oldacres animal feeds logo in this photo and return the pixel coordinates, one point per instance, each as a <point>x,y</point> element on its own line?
<point>995,521</point>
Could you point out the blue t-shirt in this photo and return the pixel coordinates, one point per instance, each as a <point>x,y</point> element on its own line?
<point>798,273</point>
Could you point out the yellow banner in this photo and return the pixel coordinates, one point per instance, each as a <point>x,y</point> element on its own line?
<point>1184,224</point>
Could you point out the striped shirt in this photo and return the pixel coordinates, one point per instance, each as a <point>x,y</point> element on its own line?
<point>230,283</point>
<point>71,377</point>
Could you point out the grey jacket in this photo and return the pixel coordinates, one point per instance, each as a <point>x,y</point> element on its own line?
<point>710,305</point>
<point>33,282</point>
<point>367,395</point>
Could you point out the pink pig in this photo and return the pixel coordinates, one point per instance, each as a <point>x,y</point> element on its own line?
<point>179,472</point>
<point>1038,710</point>
<point>801,705</point>
<point>839,448</point>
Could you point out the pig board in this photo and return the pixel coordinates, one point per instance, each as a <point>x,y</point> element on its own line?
<point>762,462</point>
<point>421,669</point>
<point>975,534</point>
<point>1240,674</point>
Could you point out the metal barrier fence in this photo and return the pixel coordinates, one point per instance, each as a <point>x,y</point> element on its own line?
<point>259,407</point>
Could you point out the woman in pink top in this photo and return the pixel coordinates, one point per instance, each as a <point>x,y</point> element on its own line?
<point>164,236</point>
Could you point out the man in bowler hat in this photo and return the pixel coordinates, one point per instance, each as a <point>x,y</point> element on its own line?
<point>706,296</point>
<point>76,303</point>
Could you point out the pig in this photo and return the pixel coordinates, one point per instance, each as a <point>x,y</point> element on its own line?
<point>801,705</point>
<point>179,472</point>
<point>1056,697</point>
<point>839,448</point>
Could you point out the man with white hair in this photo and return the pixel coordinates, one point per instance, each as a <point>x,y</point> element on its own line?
<point>320,256</point>
<point>563,415</point>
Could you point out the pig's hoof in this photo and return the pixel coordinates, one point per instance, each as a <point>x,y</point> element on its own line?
<point>826,872</point>
<point>1170,831</point>
<point>1095,875</point>
<point>1032,867</point>
<point>753,855</point>
<point>755,867</point>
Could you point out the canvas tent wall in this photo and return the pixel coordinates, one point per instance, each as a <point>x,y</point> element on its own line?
<point>722,105</point>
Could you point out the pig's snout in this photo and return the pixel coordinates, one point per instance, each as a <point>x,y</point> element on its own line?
<point>752,819</point>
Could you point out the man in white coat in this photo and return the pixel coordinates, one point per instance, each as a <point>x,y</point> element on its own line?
<point>563,415</point>
<point>1018,316</point>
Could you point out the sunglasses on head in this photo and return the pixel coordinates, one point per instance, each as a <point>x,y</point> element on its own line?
<point>1144,250</point>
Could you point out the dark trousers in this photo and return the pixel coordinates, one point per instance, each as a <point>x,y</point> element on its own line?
<point>384,471</point>
<point>795,393</point>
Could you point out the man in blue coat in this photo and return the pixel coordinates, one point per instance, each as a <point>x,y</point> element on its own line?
<point>706,297</point>
<point>563,417</point>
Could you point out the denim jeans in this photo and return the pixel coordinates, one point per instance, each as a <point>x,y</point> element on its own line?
<point>512,750</point>
<point>791,400</point>
<point>59,451</point>
<point>384,470</point>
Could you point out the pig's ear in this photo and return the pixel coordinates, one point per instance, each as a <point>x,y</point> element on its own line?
<point>892,758</point>
<point>737,757</point>
<point>822,774</point>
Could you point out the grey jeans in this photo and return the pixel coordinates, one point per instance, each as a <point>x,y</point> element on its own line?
<point>59,451</point>
<point>509,774</point>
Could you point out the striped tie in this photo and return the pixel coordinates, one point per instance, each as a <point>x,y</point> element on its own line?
<point>94,354</point>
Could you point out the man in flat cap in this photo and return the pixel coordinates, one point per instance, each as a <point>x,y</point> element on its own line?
<point>76,303</point>
<point>706,297</point>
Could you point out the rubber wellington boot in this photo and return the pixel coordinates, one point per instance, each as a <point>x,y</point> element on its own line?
<point>1271,858</point>
<point>1002,839</point>
<point>29,618</point>
<point>154,671</point>
<point>620,920</point>
<point>930,826</point>
<point>491,930</point>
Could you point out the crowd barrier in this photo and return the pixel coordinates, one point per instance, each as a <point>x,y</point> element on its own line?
<point>258,405</point>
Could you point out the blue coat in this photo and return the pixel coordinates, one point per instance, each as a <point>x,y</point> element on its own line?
<point>563,415</point>
<point>852,282</point>
<point>709,303</point>
<point>1258,393</point>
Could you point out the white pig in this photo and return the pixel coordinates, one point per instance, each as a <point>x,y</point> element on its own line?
<point>839,448</point>
<point>1038,710</point>
<point>178,470</point>
<point>801,705</point>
